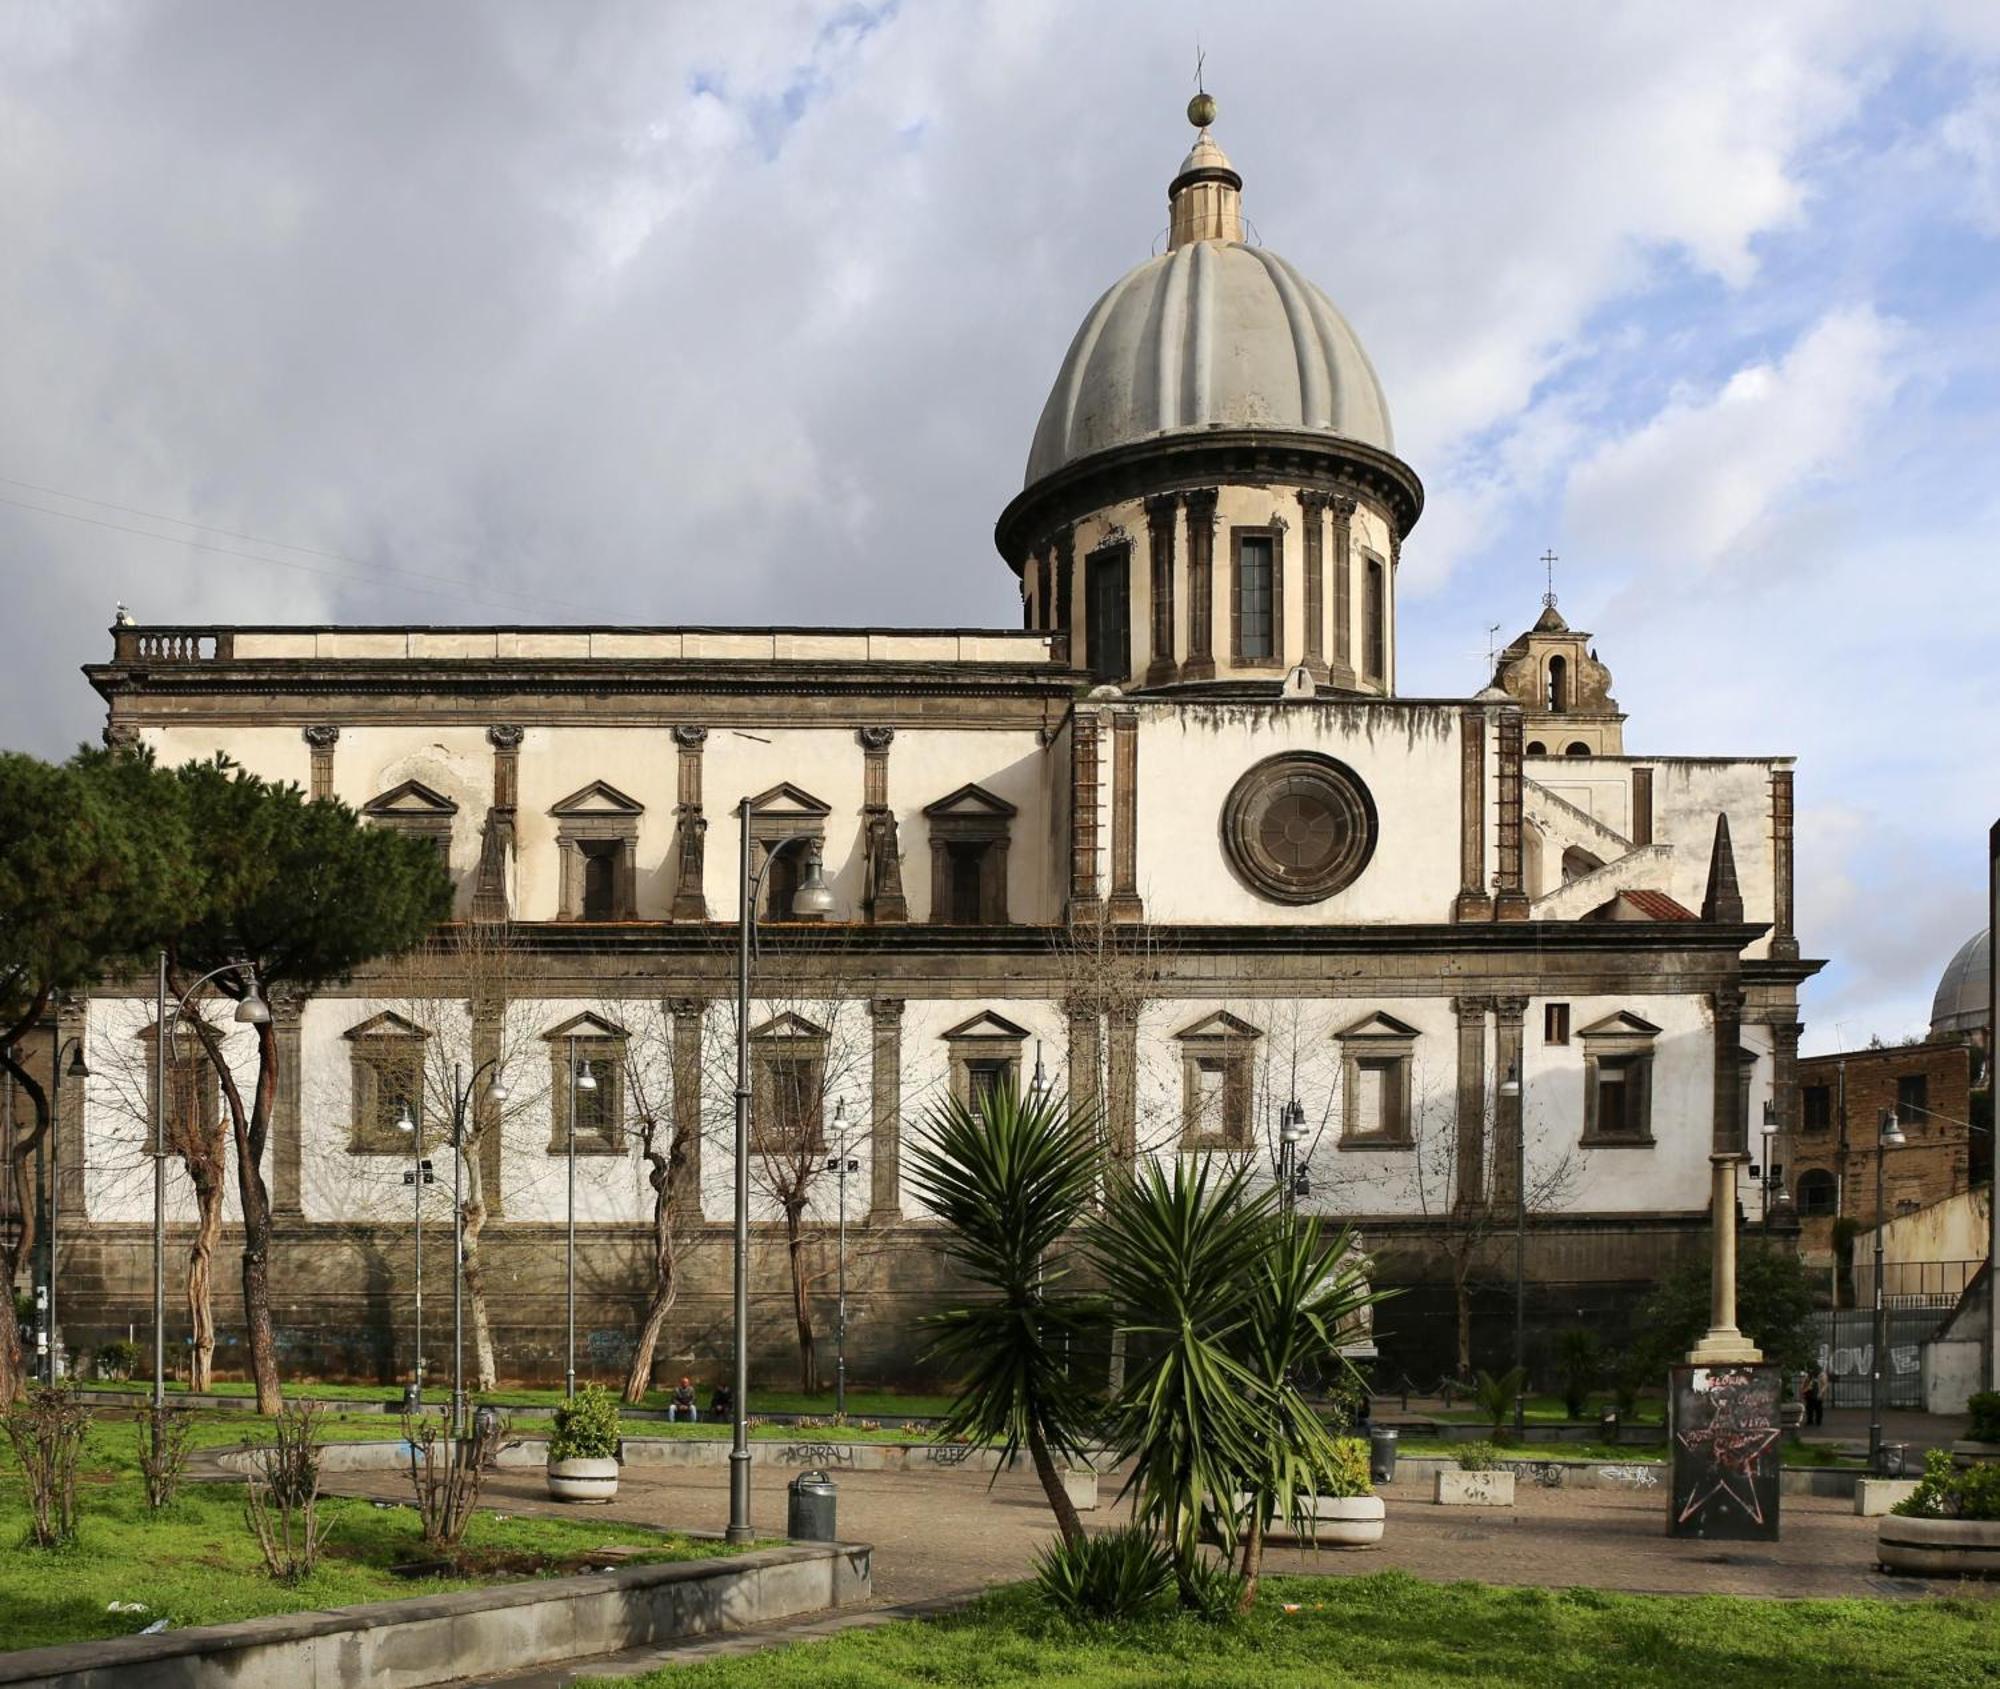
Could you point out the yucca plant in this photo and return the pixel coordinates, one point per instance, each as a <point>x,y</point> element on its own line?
<point>1300,1297</point>
<point>1495,1397</point>
<point>1177,1249</point>
<point>1010,1183</point>
<point>1114,1577</point>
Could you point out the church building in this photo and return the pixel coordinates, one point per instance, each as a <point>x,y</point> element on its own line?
<point>1176,846</point>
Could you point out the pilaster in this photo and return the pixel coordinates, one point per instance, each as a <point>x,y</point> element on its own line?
<point>1784,942</point>
<point>1510,902</point>
<point>488,1116</point>
<point>1200,664</point>
<point>72,1021</point>
<point>1341,668</point>
<point>1085,798</point>
<point>887,906</point>
<point>1162,522</point>
<point>1126,906</point>
<point>688,1015</point>
<point>1469,1184</point>
<point>320,739</point>
<point>490,898</point>
<point>1312,529</point>
<point>1473,903</point>
<point>885,1148</point>
<point>1123,1077</point>
<point>1084,1035</point>
<point>287,1116</point>
<point>1508,1016</point>
<point>690,826</point>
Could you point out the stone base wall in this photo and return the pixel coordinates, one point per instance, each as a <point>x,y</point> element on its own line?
<point>344,1308</point>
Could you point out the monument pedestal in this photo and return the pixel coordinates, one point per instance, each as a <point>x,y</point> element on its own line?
<point>1726,1439</point>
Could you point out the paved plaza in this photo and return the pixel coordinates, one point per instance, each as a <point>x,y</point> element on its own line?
<point>944,1535</point>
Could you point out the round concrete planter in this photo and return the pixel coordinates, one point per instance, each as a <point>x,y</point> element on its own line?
<point>583,1478</point>
<point>1349,1521</point>
<point>1962,1548</point>
<point>1966,1452</point>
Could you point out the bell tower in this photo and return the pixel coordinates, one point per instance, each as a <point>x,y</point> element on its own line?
<point>1564,692</point>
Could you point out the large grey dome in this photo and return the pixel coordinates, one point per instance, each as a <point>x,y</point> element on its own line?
<point>1213,334</point>
<point>1964,1001</point>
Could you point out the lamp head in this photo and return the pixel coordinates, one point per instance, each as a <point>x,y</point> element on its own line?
<point>78,1068</point>
<point>497,1091</point>
<point>585,1079</point>
<point>1511,1085</point>
<point>253,1010</point>
<point>814,896</point>
<point>1291,1122</point>
<point>1892,1130</point>
<point>403,1121</point>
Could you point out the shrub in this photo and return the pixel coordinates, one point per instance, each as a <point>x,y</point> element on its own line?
<point>1114,1578</point>
<point>47,1429</point>
<point>446,1473</point>
<point>1212,1590</point>
<point>1495,1396</point>
<point>281,1503</point>
<point>163,1452</point>
<point>1985,1410</point>
<point>1954,1492</point>
<point>1348,1473</point>
<point>586,1427</point>
<point>119,1359</point>
<point>1478,1457</point>
<point>1579,1362</point>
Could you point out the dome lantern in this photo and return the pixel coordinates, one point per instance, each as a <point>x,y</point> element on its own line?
<point>1206,197</point>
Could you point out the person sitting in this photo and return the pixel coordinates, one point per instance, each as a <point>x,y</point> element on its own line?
<point>722,1402</point>
<point>682,1405</point>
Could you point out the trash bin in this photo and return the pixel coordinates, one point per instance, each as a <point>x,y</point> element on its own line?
<point>413,1399</point>
<point>1381,1455</point>
<point>809,1508</point>
<point>1894,1460</point>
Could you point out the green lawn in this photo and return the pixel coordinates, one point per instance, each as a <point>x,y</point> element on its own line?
<point>197,1563</point>
<point>1393,1631</point>
<point>1541,1409</point>
<point>861,1404</point>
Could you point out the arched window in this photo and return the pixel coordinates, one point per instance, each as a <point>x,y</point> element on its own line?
<point>1577,748</point>
<point>1577,862</point>
<point>1558,685</point>
<point>1535,748</point>
<point>1818,1193</point>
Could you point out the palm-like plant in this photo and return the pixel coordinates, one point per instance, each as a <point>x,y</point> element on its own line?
<point>1301,1297</point>
<point>1176,1250</point>
<point>1010,1183</point>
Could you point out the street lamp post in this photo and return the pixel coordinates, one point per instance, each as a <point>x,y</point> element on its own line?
<point>419,1175</point>
<point>78,1069</point>
<point>842,1164</point>
<point>1291,1131</point>
<point>1889,1136</point>
<point>813,898</point>
<point>578,1081</point>
<point>1510,1089</point>
<point>251,1010</point>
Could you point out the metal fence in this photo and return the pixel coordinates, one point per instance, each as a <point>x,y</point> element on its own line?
<point>1847,1351</point>
<point>1914,1284</point>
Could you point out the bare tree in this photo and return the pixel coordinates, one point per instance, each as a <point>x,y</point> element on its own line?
<point>1468,1198</point>
<point>666,1151</point>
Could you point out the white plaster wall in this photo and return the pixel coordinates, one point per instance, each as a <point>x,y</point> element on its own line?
<point>925,766</point>
<point>557,762</point>
<point>1190,755</point>
<point>1688,793</point>
<point>826,762</point>
<point>279,754</point>
<point>455,762</point>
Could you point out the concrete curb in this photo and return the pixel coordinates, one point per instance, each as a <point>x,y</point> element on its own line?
<point>471,1633</point>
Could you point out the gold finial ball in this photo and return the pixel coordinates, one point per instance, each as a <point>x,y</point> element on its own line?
<point>1201,110</point>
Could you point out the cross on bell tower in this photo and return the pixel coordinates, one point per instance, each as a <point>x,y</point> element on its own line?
<point>1549,560</point>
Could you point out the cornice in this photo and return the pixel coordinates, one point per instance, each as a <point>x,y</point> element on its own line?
<point>1185,461</point>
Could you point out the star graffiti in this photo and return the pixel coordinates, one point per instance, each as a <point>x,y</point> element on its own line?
<point>1734,1444</point>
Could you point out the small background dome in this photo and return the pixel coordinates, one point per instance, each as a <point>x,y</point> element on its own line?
<point>1212,334</point>
<point>1964,1001</point>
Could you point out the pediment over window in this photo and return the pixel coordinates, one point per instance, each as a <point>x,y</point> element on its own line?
<point>986,1024</point>
<point>412,800</point>
<point>1378,1025</point>
<point>974,801</point>
<point>789,1025</point>
<point>787,799</point>
<point>598,798</point>
<point>586,1026</point>
<point>1623,1024</point>
<point>1221,1024</point>
<point>386,1025</point>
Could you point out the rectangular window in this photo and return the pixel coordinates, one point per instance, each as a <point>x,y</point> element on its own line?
<point>1108,637</point>
<point>1913,1099</point>
<point>600,878</point>
<point>1555,1023</point>
<point>388,1082</point>
<point>1256,616</point>
<point>1215,1101</point>
<point>1374,622</point>
<point>1371,1108</point>
<point>1818,1108</point>
<point>600,1108</point>
<point>789,1120</point>
<point>1614,1100</point>
<point>984,1078</point>
<point>781,882</point>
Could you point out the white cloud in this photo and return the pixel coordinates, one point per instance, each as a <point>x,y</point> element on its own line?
<point>1693,481</point>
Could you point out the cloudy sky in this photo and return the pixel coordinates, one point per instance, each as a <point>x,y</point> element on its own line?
<point>688,312</point>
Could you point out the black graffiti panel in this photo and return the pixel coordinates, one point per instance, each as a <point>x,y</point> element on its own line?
<point>1727,1440</point>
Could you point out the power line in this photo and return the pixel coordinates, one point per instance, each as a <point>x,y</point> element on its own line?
<point>355,570</point>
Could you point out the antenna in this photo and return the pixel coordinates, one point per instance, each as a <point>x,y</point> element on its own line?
<point>1492,653</point>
